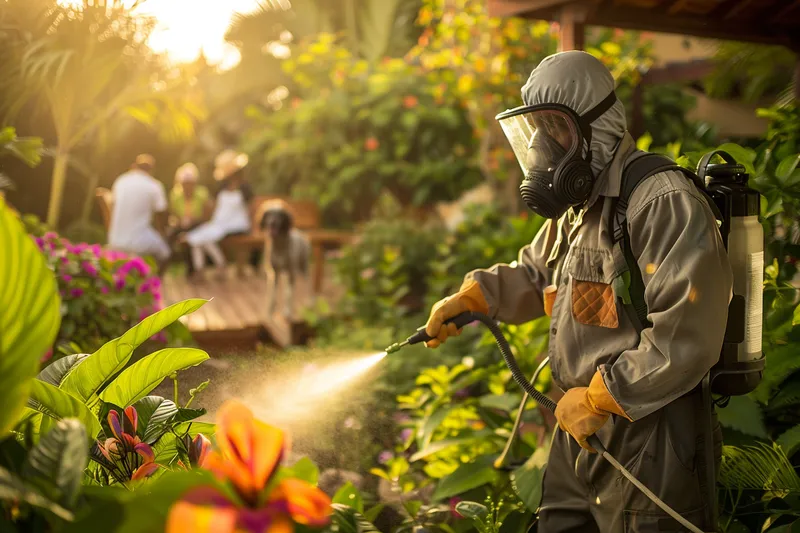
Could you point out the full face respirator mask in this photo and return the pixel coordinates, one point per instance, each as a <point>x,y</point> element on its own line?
<point>549,141</point>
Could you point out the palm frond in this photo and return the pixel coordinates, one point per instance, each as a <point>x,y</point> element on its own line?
<point>789,441</point>
<point>759,467</point>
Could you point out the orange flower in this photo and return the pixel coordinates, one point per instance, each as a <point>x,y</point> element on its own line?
<point>410,102</point>
<point>371,144</point>
<point>248,456</point>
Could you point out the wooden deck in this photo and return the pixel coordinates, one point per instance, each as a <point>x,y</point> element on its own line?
<point>236,317</point>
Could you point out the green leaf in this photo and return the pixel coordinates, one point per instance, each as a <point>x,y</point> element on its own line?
<point>306,470</point>
<point>166,449</point>
<point>157,414</point>
<point>527,479</point>
<point>58,405</point>
<point>471,509</point>
<point>55,372</point>
<point>504,402</point>
<point>55,465</point>
<point>350,496</point>
<point>796,316</point>
<point>12,488</point>
<point>431,423</point>
<point>348,520</point>
<point>744,415</point>
<point>786,167</point>
<point>30,315</point>
<point>780,364</point>
<point>374,512</point>
<point>466,477</point>
<point>135,382</point>
<point>644,142</point>
<point>789,441</point>
<point>88,378</point>
<point>440,445</point>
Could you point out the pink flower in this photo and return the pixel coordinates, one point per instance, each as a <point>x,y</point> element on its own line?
<point>385,456</point>
<point>39,242</point>
<point>406,434</point>
<point>96,249</point>
<point>64,259</point>
<point>89,268</point>
<point>104,290</point>
<point>50,236</point>
<point>120,283</point>
<point>47,356</point>
<point>67,278</point>
<point>77,292</point>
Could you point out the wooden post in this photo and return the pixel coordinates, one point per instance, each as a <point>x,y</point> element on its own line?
<point>572,31</point>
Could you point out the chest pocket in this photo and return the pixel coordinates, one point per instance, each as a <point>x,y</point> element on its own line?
<point>592,273</point>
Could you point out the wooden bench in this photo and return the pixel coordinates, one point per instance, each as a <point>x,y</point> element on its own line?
<point>306,217</point>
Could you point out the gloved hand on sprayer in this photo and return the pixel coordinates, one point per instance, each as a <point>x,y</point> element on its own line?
<point>633,271</point>
<point>581,412</point>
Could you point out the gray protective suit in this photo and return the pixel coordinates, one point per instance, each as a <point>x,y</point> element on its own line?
<point>654,376</point>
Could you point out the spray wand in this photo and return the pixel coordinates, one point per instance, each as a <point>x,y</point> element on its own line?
<point>465,318</point>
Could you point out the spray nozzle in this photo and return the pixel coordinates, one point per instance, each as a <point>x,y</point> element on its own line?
<point>422,336</point>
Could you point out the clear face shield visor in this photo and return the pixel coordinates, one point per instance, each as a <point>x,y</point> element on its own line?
<point>542,137</point>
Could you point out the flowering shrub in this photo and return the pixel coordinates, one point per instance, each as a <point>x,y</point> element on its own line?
<point>104,293</point>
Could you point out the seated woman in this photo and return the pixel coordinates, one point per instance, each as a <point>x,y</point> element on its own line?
<point>231,213</point>
<point>189,203</point>
<point>189,206</point>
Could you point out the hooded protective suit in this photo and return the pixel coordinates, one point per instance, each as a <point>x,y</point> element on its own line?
<point>638,392</point>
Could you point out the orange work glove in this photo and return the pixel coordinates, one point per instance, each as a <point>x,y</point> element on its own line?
<point>468,298</point>
<point>584,410</point>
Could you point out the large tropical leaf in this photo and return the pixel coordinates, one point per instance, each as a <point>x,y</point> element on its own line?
<point>55,372</point>
<point>136,382</point>
<point>12,488</point>
<point>527,479</point>
<point>348,520</point>
<point>58,405</point>
<point>30,314</point>
<point>55,465</point>
<point>760,467</point>
<point>782,362</point>
<point>88,378</point>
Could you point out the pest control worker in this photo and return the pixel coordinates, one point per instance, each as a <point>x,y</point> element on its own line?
<point>638,392</point>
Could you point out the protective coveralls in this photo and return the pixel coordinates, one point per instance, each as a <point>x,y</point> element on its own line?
<point>640,393</point>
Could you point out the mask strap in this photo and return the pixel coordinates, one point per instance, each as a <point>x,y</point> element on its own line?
<point>593,114</point>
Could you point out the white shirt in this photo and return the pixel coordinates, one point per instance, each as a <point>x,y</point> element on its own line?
<point>137,196</point>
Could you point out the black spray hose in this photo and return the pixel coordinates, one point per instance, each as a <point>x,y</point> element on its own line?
<point>468,317</point>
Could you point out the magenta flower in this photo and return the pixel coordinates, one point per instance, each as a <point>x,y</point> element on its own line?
<point>129,458</point>
<point>77,292</point>
<point>104,290</point>
<point>50,236</point>
<point>144,287</point>
<point>96,249</point>
<point>67,278</point>
<point>120,283</point>
<point>64,259</point>
<point>453,502</point>
<point>89,268</point>
<point>39,242</point>
<point>47,356</point>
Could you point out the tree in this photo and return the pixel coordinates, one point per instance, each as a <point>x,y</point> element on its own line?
<point>86,67</point>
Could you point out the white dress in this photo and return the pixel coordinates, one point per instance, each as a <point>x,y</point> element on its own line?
<point>231,215</point>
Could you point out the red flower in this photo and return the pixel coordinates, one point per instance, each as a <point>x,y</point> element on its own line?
<point>129,458</point>
<point>371,144</point>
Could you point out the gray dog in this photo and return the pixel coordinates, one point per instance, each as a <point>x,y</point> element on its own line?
<point>286,252</point>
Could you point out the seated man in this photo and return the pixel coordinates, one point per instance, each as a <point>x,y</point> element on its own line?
<point>139,201</point>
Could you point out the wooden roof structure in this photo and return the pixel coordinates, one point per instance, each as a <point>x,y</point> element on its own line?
<point>775,22</point>
<point>758,21</point>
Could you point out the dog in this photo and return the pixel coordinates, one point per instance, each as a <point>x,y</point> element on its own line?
<point>287,253</point>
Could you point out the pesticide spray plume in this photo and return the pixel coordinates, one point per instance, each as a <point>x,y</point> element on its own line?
<point>308,392</point>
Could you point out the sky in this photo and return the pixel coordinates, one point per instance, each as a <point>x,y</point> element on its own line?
<point>185,27</point>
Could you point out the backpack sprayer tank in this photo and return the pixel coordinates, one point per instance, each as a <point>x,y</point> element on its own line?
<point>739,369</point>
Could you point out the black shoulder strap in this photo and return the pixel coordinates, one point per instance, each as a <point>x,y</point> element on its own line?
<point>638,167</point>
